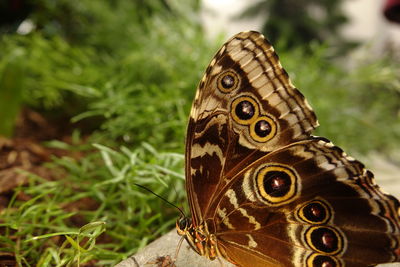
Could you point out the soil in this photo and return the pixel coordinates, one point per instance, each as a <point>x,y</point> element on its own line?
<point>25,152</point>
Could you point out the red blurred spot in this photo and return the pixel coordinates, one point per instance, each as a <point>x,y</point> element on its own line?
<point>391,10</point>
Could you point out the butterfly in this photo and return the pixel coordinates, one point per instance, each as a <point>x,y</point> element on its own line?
<point>261,189</point>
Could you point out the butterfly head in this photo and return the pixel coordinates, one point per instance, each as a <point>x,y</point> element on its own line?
<point>183,224</point>
<point>198,237</point>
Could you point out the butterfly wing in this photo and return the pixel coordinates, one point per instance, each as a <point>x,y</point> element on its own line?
<point>245,106</point>
<point>264,187</point>
<point>305,205</point>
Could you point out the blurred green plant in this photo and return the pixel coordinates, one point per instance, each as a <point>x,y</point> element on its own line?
<point>12,83</point>
<point>78,21</point>
<point>148,96</point>
<point>119,76</point>
<point>53,70</point>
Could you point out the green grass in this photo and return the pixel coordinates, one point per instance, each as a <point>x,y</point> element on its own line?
<point>134,82</point>
<point>123,219</point>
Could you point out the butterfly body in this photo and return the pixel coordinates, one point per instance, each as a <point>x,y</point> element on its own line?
<point>262,190</point>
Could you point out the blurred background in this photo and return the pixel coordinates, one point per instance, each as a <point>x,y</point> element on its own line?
<point>95,96</point>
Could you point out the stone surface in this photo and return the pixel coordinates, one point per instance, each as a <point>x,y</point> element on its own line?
<point>167,246</point>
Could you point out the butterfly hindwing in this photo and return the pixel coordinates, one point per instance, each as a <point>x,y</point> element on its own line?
<point>294,206</point>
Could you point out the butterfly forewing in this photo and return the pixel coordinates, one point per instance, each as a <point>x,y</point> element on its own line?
<point>262,190</point>
<point>245,105</point>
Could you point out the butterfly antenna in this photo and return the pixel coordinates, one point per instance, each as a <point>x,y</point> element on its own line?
<point>176,191</point>
<point>157,195</point>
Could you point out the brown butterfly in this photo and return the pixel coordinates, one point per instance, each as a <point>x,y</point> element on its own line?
<point>263,191</point>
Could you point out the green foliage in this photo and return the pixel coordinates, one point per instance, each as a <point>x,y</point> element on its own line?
<point>93,22</point>
<point>11,79</point>
<point>53,70</point>
<point>135,84</point>
<point>119,76</point>
<point>42,230</point>
<point>148,96</point>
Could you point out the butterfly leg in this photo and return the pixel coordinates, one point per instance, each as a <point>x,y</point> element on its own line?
<point>177,249</point>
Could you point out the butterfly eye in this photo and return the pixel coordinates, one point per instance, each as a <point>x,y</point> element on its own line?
<point>244,110</point>
<point>276,184</point>
<point>183,224</point>
<point>227,81</point>
<point>263,129</point>
<point>315,212</point>
<point>318,260</point>
<point>324,239</point>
